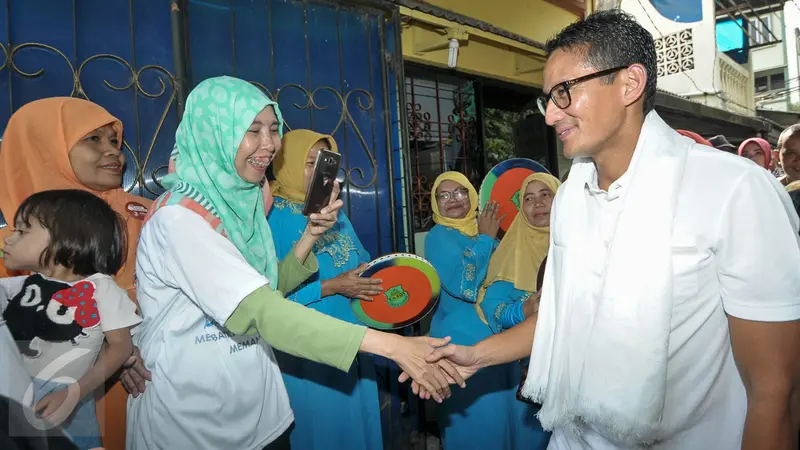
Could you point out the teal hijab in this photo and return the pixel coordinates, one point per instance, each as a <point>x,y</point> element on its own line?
<point>218,113</point>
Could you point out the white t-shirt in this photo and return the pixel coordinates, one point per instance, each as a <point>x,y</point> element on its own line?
<point>59,326</point>
<point>210,390</point>
<point>735,250</point>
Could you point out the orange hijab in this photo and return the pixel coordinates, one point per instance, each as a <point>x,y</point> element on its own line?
<point>34,157</point>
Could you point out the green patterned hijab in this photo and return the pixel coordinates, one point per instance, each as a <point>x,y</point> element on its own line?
<point>218,113</point>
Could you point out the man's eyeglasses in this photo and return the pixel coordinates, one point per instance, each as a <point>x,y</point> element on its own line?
<point>559,94</point>
<point>458,195</point>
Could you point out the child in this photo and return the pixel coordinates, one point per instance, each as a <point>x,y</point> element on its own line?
<point>72,243</point>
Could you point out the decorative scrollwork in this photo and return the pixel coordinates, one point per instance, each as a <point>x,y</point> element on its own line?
<point>134,76</point>
<point>419,123</point>
<point>165,87</point>
<point>363,101</point>
<point>9,63</point>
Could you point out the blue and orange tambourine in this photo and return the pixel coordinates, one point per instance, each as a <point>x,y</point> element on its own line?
<point>411,290</point>
<point>502,185</point>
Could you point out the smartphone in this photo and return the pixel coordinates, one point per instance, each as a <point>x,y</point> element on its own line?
<point>320,189</point>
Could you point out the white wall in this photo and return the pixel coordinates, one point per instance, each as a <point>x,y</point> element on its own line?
<point>778,104</point>
<point>772,56</point>
<point>704,45</point>
<point>767,58</point>
<point>791,18</point>
<point>779,56</point>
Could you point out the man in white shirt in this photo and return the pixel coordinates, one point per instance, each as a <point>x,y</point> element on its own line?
<point>669,313</point>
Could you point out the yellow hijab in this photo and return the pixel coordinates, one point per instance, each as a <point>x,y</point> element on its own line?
<point>522,249</point>
<point>467,225</point>
<point>290,163</point>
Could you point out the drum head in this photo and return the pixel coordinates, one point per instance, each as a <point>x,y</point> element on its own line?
<point>411,290</point>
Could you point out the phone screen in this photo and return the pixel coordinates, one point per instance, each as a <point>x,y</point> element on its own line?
<point>321,187</point>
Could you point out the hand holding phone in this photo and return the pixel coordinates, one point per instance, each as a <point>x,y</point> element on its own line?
<point>319,223</point>
<point>318,194</point>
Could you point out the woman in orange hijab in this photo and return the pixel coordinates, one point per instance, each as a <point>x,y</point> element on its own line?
<point>69,143</point>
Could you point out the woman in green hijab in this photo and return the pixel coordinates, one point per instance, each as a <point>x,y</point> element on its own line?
<point>209,289</point>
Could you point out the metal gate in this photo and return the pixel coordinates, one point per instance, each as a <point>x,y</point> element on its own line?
<point>328,66</point>
<point>442,115</point>
<point>115,53</point>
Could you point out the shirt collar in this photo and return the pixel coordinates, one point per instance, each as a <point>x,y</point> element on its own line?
<point>615,190</point>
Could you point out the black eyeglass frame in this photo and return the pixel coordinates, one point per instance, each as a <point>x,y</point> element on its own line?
<point>543,100</point>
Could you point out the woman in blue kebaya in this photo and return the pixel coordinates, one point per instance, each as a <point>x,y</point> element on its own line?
<point>511,278</point>
<point>509,292</point>
<point>460,247</point>
<point>333,410</point>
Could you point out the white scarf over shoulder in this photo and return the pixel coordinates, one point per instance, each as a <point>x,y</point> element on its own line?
<point>602,359</point>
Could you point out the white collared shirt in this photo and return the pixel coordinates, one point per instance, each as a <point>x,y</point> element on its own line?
<point>735,252</point>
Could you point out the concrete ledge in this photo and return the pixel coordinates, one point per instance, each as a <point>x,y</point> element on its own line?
<point>677,104</point>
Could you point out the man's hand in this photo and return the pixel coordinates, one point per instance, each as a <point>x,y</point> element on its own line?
<point>766,356</point>
<point>510,345</point>
<point>464,360</point>
<point>414,356</point>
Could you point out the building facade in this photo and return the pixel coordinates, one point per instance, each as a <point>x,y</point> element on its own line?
<point>710,87</point>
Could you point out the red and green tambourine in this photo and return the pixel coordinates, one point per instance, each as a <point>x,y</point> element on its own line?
<point>502,184</point>
<point>411,289</point>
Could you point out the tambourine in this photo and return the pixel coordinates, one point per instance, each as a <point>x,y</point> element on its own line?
<point>411,289</point>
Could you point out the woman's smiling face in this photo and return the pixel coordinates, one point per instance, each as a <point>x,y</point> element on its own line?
<point>258,147</point>
<point>536,203</point>
<point>453,200</point>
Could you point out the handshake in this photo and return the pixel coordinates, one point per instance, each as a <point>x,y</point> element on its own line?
<point>447,364</point>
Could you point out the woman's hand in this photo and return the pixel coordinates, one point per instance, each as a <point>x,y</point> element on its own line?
<point>321,222</point>
<point>352,285</point>
<point>531,305</point>
<point>463,360</point>
<point>318,224</point>
<point>488,220</point>
<point>411,354</point>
